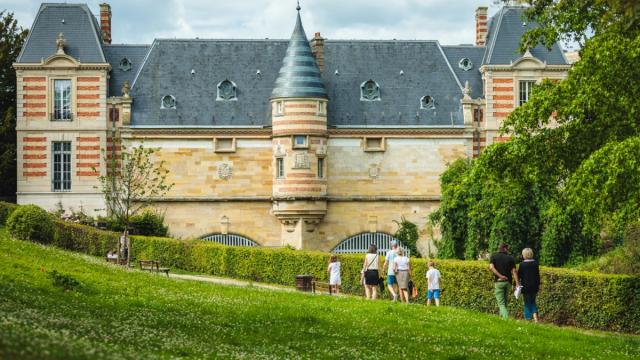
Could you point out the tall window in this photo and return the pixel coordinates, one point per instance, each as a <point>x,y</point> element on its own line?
<point>279,168</point>
<point>525,90</point>
<point>62,100</point>
<point>320,168</point>
<point>61,166</point>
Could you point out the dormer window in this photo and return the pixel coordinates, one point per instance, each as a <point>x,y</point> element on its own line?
<point>465,64</point>
<point>168,102</point>
<point>226,91</point>
<point>125,64</point>
<point>427,103</point>
<point>369,91</point>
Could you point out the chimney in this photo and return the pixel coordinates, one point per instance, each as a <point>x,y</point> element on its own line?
<point>481,25</point>
<point>105,22</point>
<point>317,48</point>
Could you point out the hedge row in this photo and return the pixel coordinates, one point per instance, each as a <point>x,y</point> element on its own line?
<point>567,297</point>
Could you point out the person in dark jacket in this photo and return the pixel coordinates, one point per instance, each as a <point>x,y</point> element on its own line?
<point>529,275</point>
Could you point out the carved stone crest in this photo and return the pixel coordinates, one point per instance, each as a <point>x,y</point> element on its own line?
<point>225,171</point>
<point>374,171</point>
<point>301,161</point>
<point>279,151</point>
<point>321,150</point>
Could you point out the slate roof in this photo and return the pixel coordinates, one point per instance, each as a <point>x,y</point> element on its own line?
<point>80,29</point>
<point>505,30</point>
<point>299,75</point>
<point>474,53</point>
<point>114,54</point>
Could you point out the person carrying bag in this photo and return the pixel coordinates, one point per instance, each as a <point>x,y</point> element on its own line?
<point>370,275</point>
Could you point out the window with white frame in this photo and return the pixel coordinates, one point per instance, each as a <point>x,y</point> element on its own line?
<point>279,108</point>
<point>525,90</point>
<point>61,99</point>
<point>61,175</point>
<point>300,141</point>
<point>279,168</point>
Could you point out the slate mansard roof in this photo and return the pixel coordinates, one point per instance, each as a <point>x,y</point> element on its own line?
<point>190,70</point>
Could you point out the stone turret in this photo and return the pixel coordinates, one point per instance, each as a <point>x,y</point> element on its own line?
<point>299,119</point>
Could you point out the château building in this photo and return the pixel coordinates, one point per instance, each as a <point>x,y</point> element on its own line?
<point>318,144</point>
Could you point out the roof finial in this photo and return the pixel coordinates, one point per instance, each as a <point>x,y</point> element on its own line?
<point>298,7</point>
<point>60,42</point>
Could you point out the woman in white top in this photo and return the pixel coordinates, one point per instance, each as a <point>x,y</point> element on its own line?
<point>334,274</point>
<point>370,275</point>
<point>402,269</point>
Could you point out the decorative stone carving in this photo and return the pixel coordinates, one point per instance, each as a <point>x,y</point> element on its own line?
<point>301,161</point>
<point>224,225</point>
<point>60,41</point>
<point>279,152</point>
<point>374,171</point>
<point>125,89</point>
<point>467,90</point>
<point>321,150</point>
<point>225,171</point>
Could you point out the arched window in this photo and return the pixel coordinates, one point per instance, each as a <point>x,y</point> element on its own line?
<point>369,91</point>
<point>168,102</point>
<point>465,64</point>
<point>230,240</point>
<point>427,102</point>
<point>359,244</point>
<point>125,64</point>
<point>226,91</point>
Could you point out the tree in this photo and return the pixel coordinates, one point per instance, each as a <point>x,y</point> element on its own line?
<point>133,179</point>
<point>11,40</point>
<point>563,189</point>
<point>408,235</point>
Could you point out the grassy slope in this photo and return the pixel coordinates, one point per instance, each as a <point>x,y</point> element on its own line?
<point>120,314</point>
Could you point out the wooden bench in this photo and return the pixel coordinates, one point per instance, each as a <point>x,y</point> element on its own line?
<point>116,261</point>
<point>153,266</point>
<point>324,287</point>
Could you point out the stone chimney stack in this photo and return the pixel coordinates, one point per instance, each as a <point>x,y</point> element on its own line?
<point>317,48</point>
<point>105,22</point>
<point>481,25</point>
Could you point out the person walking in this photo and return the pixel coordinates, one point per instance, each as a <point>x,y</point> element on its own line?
<point>529,275</point>
<point>392,283</point>
<point>503,267</point>
<point>433,284</point>
<point>402,269</point>
<point>370,275</point>
<point>334,274</point>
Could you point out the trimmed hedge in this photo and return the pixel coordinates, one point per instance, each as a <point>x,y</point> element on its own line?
<point>567,297</point>
<point>5,210</point>
<point>31,222</point>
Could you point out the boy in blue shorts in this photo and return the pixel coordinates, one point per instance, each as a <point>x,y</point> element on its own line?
<point>433,284</point>
<point>392,283</point>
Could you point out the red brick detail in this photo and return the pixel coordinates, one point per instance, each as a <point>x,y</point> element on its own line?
<point>315,141</point>
<point>481,24</point>
<point>34,114</point>
<point>297,132</point>
<point>503,81</point>
<point>299,122</point>
<point>88,105</point>
<point>503,88</point>
<point>34,96</point>
<point>34,165</point>
<point>88,96</point>
<point>88,78</point>
<point>87,173</point>
<point>88,138</point>
<point>87,156</point>
<point>88,165</point>
<point>34,156</point>
<point>34,105</point>
<point>300,106</point>
<point>501,114</point>
<point>482,17</point>
<point>88,113</point>
<point>502,97</point>
<point>300,113</point>
<point>88,87</point>
<point>34,173</point>
<point>117,148</point>
<point>34,79</point>
<point>92,147</point>
<point>503,106</point>
<point>32,147</point>
<point>314,182</point>
<point>34,139</point>
<point>34,87</point>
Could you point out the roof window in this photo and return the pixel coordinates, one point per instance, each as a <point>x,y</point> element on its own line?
<point>125,64</point>
<point>427,102</point>
<point>168,102</point>
<point>226,91</point>
<point>465,64</point>
<point>369,91</point>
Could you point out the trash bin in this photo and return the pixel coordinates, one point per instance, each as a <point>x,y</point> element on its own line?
<point>304,283</point>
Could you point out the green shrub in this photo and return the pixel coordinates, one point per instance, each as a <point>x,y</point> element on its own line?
<point>5,210</point>
<point>567,297</point>
<point>31,222</point>
<point>63,281</point>
<point>149,223</point>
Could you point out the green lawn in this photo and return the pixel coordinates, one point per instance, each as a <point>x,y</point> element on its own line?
<point>126,314</point>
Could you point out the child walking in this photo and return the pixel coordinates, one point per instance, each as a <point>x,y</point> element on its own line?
<point>433,284</point>
<point>334,274</point>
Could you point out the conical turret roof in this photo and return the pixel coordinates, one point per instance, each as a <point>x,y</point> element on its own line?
<point>299,75</point>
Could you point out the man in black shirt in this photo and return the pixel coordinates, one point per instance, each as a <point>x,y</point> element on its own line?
<point>503,267</point>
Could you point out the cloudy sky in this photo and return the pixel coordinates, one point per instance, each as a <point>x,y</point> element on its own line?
<point>140,21</point>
